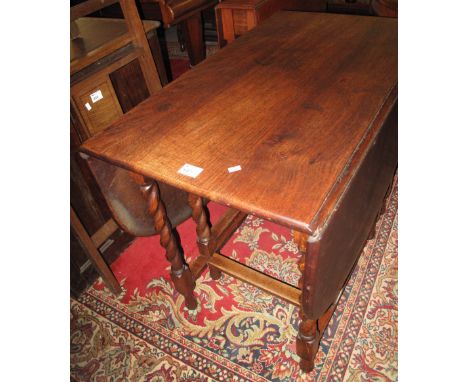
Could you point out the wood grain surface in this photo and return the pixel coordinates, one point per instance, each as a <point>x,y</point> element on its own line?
<point>296,102</point>
<point>99,37</point>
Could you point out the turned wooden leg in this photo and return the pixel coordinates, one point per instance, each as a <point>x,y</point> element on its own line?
<point>308,336</point>
<point>180,273</point>
<point>192,29</point>
<point>307,342</point>
<point>203,231</point>
<point>310,329</point>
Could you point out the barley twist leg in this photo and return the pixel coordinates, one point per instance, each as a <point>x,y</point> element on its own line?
<point>180,273</point>
<point>203,231</point>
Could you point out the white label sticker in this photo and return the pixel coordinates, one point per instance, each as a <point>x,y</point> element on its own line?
<point>190,170</point>
<point>96,96</point>
<point>234,168</point>
<point>88,106</point>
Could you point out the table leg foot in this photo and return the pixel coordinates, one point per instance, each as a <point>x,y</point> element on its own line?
<point>307,343</point>
<point>180,272</point>
<point>184,284</point>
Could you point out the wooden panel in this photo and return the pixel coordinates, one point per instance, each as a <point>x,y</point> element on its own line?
<point>293,119</point>
<point>349,225</point>
<point>137,32</point>
<point>228,25</point>
<point>89,6</point>
<point>103,112</point>
<point>267,9</point>
<point>129,85</point>
<point>239,17</point>
<point>246,14</point>
<point>98,37</point>
<point>107,65</point>
<point>104,232</point>
<point>161,59</point>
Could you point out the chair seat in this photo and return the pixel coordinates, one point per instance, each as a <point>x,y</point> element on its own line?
<point>129,206</point>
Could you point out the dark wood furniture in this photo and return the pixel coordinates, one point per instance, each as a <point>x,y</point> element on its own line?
<point>114,59</point>
<point>189,15</point>
<point>186,14</point>
<point>310,115</point>
<point>235,17</point>
<point>100,48</point>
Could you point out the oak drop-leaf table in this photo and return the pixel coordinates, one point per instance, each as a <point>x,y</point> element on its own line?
<point>306,105</point>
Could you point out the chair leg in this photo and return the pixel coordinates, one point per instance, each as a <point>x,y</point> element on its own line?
<point>192,29</point>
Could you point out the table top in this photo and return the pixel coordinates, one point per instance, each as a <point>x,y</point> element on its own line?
<point>295,102</point>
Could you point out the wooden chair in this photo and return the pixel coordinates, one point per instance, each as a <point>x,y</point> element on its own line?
<point>143,207</point>
<point>127,201</point>
<point>125,195</point>
<point>95,58</point>
<point>187,14</point>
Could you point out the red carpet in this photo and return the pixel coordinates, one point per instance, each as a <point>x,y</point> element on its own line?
<point>237,333</point>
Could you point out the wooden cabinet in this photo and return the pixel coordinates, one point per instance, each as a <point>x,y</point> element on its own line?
<point>101,48</point>
<point>112,69</point>
<point>235,17</point>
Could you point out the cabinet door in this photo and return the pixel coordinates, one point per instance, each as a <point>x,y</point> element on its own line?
<point>97,104</point>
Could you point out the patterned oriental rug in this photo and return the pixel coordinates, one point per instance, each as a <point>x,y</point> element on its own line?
<point>237,333</point>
